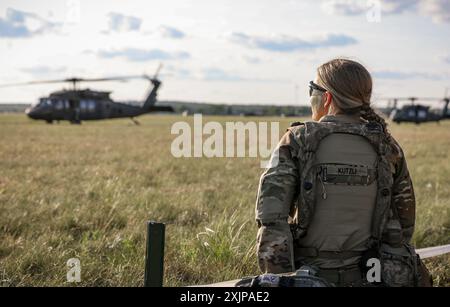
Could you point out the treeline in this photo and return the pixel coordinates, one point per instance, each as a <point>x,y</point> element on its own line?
<point>239,110</point>
<point>13,107</point>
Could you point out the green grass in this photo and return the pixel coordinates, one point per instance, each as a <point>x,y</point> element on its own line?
<point>86,191</point>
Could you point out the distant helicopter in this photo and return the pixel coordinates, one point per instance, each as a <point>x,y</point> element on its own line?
<point>76,105</point>
<point>417,113</point>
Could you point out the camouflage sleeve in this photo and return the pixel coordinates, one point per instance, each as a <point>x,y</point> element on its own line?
<point>403,198</point>
<point>276,194</point>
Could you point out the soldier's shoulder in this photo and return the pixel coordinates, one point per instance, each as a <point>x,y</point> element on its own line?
<point>396,149</point>
<point>396,158</point>
<point>296,128</point>
<point>295,124</point>
<point>296,131</point>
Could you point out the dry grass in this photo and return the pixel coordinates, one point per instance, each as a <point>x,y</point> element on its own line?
<point>86,191</point>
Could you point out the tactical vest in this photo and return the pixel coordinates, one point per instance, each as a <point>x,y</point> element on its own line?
<point>337,189</point>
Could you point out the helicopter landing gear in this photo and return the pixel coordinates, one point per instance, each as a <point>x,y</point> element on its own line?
<point>49,121</point>
<point>75,122</point>
<point>135,121</point>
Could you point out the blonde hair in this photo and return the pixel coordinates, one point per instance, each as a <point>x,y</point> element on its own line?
<point>350,84</point>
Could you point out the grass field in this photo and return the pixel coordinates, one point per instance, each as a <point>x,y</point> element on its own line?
<point>86,192</point>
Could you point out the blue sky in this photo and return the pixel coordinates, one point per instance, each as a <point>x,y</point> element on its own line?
<point>249,51</point>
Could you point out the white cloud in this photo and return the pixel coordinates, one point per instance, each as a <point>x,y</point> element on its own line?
<point>42,70</point>
<point>438,10</point>
<point>218,74</point>
<point>401,75</point>
<point>143,55</point>
<point>357,7</point>
<point>171,32</point>
<point>397,6</point>
<point>121,23</point>
<point>446,59</point>
<point>20,24</point>
<point>344,7</point>
<point>251,59</point>
<point>284,43</point>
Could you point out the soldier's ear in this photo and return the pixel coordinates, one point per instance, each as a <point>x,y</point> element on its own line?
<point>327,98</point>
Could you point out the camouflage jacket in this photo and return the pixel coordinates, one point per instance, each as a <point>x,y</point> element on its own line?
<point>279,190</point>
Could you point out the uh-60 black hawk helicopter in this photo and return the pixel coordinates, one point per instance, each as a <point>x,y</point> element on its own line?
<point>415,112</point>
<point>76,105</point>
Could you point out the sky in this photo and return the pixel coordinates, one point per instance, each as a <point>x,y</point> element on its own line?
<point>223,51</point>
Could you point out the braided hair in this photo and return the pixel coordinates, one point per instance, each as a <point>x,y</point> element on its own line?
<point>369,114</point>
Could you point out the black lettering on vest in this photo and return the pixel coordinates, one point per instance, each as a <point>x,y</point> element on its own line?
<point>347,171</point>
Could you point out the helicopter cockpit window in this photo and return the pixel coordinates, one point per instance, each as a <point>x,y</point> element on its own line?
<point>83,105</point>
<point>422,114</point>
<point>91,105</point>
<point>59,104</point>
<point>87,105</point>
<point>42,102</point>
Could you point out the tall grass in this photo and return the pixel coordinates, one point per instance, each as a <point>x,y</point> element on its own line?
<point>86,191</point>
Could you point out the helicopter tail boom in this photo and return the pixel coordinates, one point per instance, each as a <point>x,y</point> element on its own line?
<point>149,103</point>
<point>151,97</point>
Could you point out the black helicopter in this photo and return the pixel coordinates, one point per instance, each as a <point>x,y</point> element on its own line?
<point>76,105</point>
<point>417,113</point>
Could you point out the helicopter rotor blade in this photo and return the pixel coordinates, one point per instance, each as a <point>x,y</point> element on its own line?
<point>77,80</point>
<point>32,83</point>
<point>121,79</point>
<point>409,98</point>
<point>157,71</point>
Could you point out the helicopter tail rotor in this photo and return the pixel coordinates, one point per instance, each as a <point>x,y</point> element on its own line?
<point>153,79</point>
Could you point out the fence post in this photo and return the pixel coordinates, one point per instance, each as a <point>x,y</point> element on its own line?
<point>154,255</point>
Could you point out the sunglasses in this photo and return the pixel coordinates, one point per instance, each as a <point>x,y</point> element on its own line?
<point>313,86</point>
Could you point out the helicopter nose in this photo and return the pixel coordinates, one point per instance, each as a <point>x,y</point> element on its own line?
<point>30,112</point>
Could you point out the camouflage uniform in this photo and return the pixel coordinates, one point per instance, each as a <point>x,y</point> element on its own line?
<point>279,190</point>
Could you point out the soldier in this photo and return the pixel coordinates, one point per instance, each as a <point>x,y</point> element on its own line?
<point>340,192</point>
